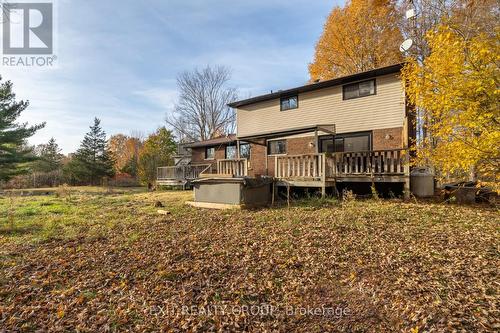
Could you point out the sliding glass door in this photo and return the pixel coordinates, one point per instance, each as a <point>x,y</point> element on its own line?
<point>352,142</point>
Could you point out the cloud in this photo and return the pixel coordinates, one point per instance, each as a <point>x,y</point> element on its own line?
<point>161,97</point>
<point>118,60</point>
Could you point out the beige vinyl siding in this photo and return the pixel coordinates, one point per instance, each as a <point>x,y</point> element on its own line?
<point>386,109</point>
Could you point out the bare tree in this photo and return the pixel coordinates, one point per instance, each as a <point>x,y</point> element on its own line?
<point>429,14</point>
<point>471,16</point>
<point>202,112</point>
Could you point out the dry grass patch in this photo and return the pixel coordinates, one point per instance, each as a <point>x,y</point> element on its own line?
<point>118,265</point>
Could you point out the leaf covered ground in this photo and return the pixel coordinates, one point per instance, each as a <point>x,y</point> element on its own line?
<point>97,261</point>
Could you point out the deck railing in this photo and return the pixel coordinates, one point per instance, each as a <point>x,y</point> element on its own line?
<point>322,166</point>
<point>182,172</point>
<point>233,167</point>
<point>367,163</point>
<point>300,166</point>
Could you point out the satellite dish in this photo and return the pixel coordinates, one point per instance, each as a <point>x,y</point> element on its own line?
<point>406,45</point>
<point>410,13</point>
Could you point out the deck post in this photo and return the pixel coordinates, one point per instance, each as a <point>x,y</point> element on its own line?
<point>288,194</point>
<point>316,143</point>
<point>406,186</point>
<point>276,174</point>
<point>323,175</point>
<point>274,193</point>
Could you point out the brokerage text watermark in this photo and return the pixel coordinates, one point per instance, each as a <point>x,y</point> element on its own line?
<point>261,310</point>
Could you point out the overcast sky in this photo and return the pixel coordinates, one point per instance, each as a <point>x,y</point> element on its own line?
<point>118,59</point>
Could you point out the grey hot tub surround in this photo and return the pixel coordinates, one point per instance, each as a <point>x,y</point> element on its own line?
<point>250,192</point>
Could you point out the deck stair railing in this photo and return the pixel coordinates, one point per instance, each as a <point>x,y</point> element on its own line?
<point>182,172</point>
<point>233,167</point>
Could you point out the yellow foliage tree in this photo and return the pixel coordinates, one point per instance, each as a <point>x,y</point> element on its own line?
<point>124,148</point>
<point>457,87</point>
<point>361,36</point>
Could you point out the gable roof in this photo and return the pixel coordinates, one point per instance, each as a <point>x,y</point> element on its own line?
<point>230,138</point>
<point>320,85</point>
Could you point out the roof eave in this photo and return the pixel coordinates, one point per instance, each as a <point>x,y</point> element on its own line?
<point>321,85</point>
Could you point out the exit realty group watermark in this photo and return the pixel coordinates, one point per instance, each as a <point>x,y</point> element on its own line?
<point>28,37</point>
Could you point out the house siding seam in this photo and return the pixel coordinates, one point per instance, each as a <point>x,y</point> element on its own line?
<point>386,109</point>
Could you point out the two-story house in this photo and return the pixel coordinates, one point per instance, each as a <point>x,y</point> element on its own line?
<point>356,128</point>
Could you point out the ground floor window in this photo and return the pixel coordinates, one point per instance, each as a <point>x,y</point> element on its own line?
<point>276,147</point>
<point>232,149</point>
<point>231,152</point>
<point>210,153</point>
<point>346,142</point>
<point>244,150</point>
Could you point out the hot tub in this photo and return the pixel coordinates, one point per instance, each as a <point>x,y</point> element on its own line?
<point>242,192</point>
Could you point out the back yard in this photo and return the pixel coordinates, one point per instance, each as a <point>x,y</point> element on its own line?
<point>89,260</point>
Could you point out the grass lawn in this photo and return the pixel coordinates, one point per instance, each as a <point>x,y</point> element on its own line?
<point>88,260</point>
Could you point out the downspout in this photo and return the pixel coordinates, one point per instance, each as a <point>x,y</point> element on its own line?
<point>266,157</point>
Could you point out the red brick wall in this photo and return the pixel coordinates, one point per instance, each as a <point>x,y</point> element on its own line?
<point>198,154</point>
<point>258,154</point>
<point>299,146</point>
<point>389,138</point>
<point>257,160</point>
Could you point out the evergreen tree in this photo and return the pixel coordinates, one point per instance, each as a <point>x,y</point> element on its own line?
<point>14,152</point>
<point>131,167</point>
<point>92,161</point>
<point>50,157</point>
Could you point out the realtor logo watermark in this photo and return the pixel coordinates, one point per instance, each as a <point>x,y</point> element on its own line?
<point>28,34</point>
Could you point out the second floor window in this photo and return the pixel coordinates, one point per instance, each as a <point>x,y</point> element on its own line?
<point>288,103</point>
<point>359,89</point>
<point>210,153</point>
<point>277,147</point>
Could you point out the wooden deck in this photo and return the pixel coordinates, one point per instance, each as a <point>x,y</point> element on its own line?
<point>181,175</point>
<point>325,170</point>
<point>310,170</point>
